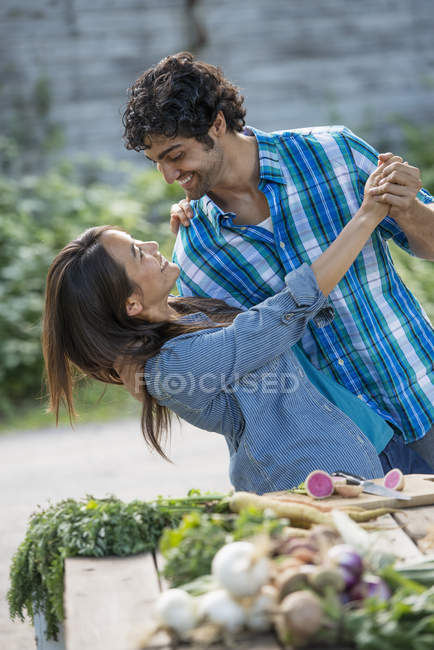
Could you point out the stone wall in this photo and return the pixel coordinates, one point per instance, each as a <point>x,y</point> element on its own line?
<point>298,62</point>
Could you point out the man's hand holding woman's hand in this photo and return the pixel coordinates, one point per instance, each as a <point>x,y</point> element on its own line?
<point>397,185</point>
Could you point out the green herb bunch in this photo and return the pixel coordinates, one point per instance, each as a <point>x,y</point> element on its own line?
<point>88,528</point>
<point>190,548</point>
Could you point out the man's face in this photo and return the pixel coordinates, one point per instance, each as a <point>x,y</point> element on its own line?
<point>195,166</point>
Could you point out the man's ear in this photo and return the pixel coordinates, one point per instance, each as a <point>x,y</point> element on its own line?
<point>218,127</point>
<point>133,305</point>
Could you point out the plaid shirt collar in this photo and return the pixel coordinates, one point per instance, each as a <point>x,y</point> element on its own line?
<point>269,170</point>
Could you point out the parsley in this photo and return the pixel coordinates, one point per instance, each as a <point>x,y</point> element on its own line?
<point>88,528</point>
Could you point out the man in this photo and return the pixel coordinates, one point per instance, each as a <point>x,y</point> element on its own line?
<point>264,203</point>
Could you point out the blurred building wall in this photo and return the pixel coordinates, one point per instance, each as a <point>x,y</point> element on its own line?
<point>298,62</point>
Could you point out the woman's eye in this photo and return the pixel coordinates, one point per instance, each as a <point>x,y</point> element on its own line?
<point>178,157</point>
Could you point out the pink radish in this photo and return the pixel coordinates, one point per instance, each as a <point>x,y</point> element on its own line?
<point>319,484</point>
<point>394,480</point>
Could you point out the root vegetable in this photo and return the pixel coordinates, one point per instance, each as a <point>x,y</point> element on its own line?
<point>293,579</point>
<point>367,515</point>
<point>319,484</point>
<point>324,578</point>
<point>177,611</point>
<point>349,490</point>
<point>299,515</point>
<point>300,617</point>
<point>219,608</point>
<point>259,614</point>
<point>394,480</point>
<point>240,569</point>
<point>345,556</point>
<point>370,586</point>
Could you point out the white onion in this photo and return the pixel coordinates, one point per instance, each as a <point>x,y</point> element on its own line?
<point>258,615</point>
<point>177,610</point>
<point>219,608</point>
<point>240,570</point>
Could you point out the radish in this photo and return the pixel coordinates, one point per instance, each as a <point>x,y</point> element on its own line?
<point>349,490</point>
<point>319,484</point>
<point>394,480</point>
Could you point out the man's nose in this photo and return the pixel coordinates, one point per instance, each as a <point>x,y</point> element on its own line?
<point>169,171</point>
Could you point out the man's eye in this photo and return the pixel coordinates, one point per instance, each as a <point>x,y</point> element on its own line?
<point>178,156</point>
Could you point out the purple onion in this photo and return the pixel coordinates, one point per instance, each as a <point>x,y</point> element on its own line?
<point>377,587</point>
<point>346,557</point>
<point>368,587</point>
<point>349,578</point>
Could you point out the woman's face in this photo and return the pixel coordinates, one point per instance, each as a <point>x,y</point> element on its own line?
<point>146,268</point>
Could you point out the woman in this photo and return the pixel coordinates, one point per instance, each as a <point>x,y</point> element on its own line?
<point>108,298</point>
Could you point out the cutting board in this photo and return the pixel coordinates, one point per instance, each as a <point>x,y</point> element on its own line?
<point>420,487</point>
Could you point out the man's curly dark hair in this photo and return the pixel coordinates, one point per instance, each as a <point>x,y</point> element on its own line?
<point>180,96</point>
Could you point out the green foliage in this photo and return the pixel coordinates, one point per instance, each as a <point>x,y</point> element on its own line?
<point>189,549</point>
<point>86,528</point>
<point>40,214</point>
<point>404,621</point>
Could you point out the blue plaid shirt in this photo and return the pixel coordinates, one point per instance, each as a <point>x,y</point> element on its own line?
<point>380,345</point>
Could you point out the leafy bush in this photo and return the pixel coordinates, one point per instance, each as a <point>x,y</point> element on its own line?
<point>40,214</point>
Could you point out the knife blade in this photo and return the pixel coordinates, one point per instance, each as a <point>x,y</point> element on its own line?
<point>372,488</point>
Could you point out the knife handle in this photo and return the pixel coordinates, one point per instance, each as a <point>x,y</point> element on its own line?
<point>352,479</point>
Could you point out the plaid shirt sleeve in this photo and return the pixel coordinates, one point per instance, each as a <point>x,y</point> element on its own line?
<point>365,159</point>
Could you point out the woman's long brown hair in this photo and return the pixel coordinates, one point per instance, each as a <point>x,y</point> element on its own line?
<point>86,326</point>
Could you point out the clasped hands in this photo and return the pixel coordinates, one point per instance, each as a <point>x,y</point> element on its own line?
<point>398,186</point>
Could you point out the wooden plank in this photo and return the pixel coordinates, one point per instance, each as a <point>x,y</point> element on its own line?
<point>420,487</point>
<point>418,523</point>
<point>389,537</point>
<point>108,601</point>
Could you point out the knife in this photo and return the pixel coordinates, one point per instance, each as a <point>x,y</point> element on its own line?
<point>370,487</point>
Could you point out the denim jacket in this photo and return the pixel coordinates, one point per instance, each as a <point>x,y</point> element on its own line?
<point>245,382</point>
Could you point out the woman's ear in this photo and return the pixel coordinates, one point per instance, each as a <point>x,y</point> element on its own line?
<point>133,305</point>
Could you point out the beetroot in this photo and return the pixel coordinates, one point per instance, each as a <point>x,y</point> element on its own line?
<point>394,479</point>
<point>319,484</point>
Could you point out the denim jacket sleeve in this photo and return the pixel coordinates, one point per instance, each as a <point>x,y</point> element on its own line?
<point>193,368</point>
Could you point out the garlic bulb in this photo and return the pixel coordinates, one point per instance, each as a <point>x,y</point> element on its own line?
<point>240,569</point>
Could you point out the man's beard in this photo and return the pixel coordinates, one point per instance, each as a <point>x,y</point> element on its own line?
<point>206,179</point>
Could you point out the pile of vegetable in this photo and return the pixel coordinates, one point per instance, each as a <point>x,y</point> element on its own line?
<point>323,585</point>
<point>235,563</point>
<point>301,569</point>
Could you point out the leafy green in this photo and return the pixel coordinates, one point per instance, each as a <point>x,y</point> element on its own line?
<point>189,549</point>
<point>88,528</point>
<point>405,621</point>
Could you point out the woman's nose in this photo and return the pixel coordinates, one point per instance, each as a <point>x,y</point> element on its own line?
<point>150,247</point>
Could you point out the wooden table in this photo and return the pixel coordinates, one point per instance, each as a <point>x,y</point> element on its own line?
<point>109,601</point>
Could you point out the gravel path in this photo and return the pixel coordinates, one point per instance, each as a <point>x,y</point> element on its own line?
<point>98,459</point>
